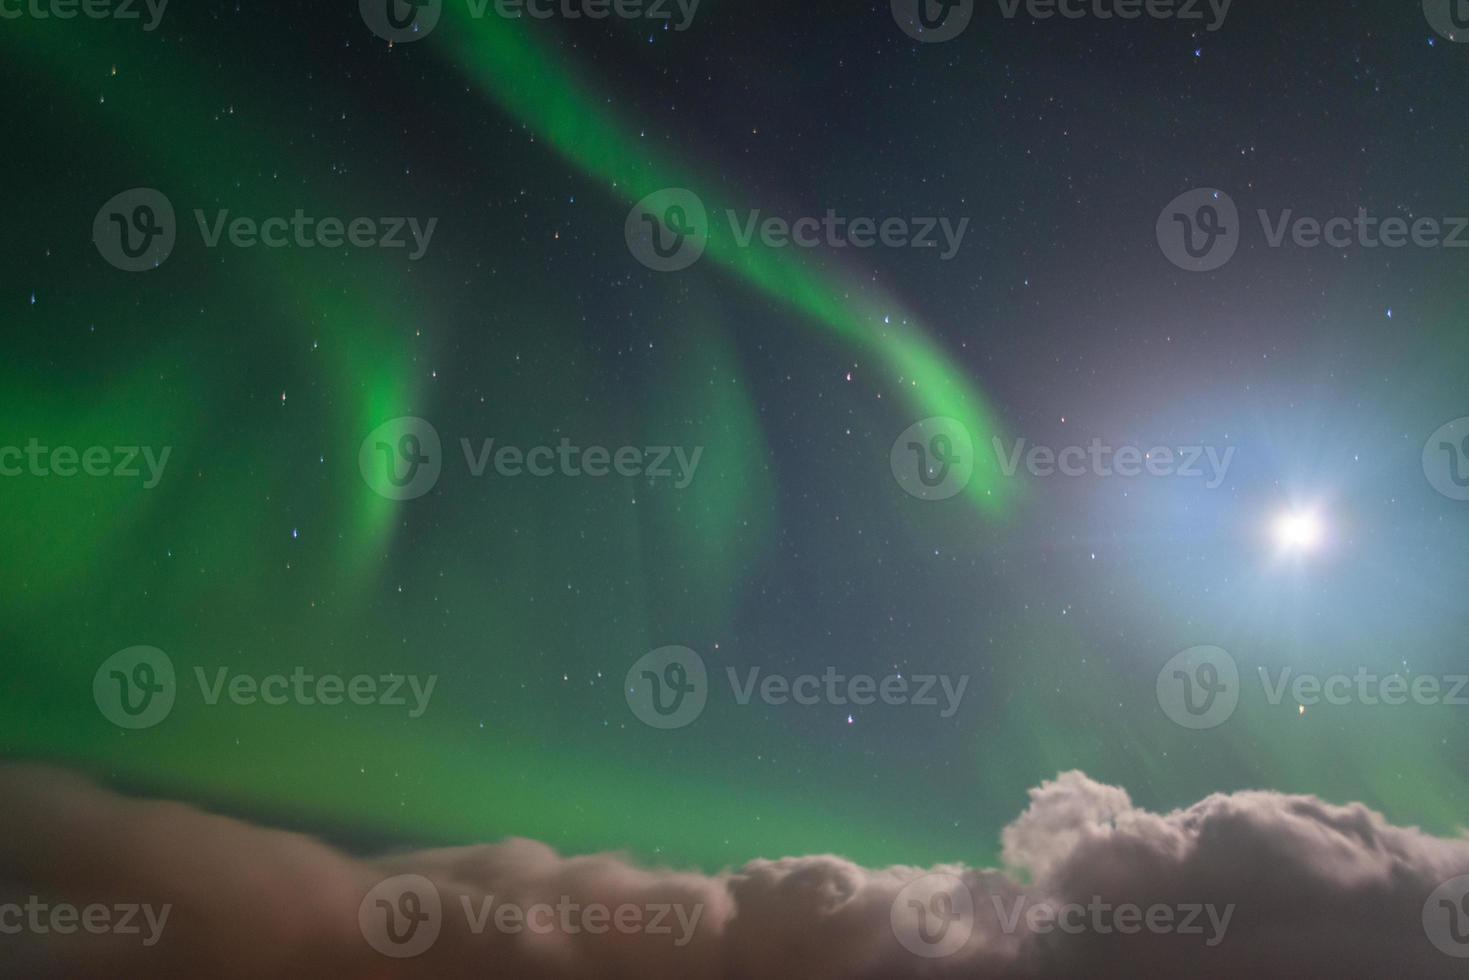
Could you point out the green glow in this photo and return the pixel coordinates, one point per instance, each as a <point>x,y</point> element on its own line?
<point>524,81</point>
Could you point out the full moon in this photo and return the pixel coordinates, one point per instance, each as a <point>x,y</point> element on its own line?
<point>1298,532</point>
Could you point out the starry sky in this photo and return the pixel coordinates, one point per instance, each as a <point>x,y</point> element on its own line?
<point>529,320</point>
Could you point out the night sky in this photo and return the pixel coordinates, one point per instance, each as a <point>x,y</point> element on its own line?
<point>1329,544</point>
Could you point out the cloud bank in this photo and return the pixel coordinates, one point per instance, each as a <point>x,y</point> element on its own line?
<point>1243,884</point>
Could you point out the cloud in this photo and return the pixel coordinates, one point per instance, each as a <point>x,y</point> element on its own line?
<point>1267,885</point>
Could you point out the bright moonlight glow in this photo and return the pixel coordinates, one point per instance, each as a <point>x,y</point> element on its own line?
<point>1298,531</point>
